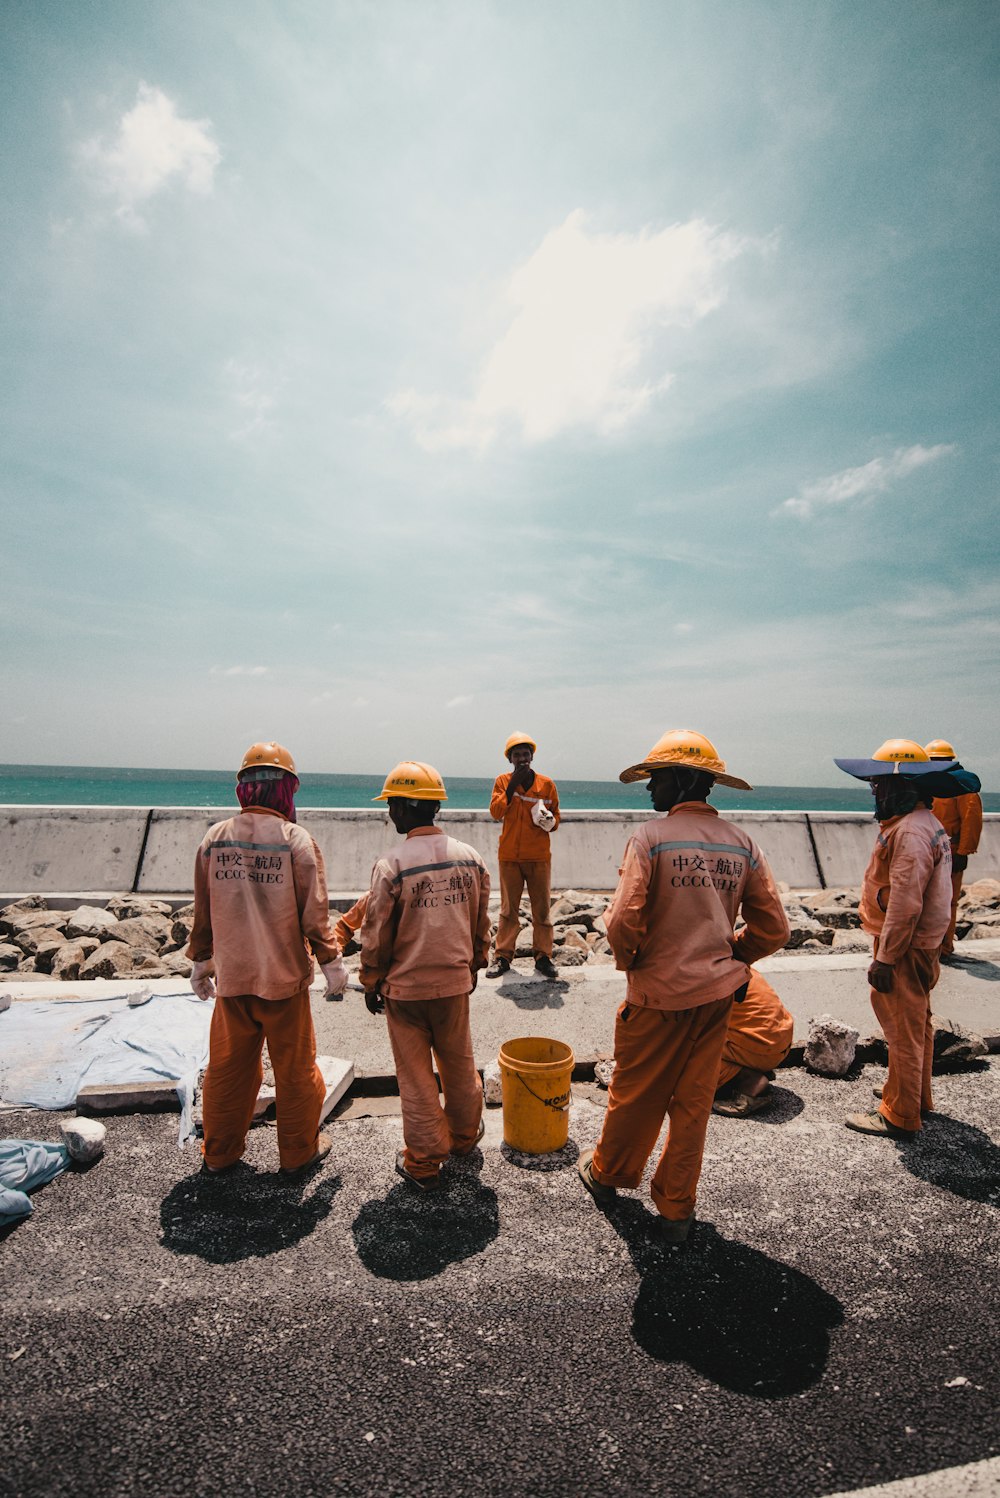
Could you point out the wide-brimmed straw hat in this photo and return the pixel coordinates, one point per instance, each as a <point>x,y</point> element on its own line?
<point>910,761</point>
<point>683,747</point>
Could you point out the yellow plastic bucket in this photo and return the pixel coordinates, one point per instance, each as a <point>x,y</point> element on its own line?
<point>535,1078</point>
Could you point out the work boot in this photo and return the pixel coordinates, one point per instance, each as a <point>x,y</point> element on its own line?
<point>546,967</point>
<point>323,1145</point>
<point>876,1123</point>
<point>603,1195</point>
<point>422,1183</point>
<point>500,966</point>
<point>672,1230</point>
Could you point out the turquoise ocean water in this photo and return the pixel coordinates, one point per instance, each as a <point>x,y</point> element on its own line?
<point>75,785</point>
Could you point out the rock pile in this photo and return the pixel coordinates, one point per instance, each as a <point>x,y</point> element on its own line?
<point>133,936</point>
<point>137,936</point>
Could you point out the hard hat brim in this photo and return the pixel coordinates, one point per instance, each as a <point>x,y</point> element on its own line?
<point>943,778</point>
<point>645,769</point>
<point>417,795</point>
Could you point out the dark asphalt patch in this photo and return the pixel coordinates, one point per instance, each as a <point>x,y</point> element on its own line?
<point>829,1325</point>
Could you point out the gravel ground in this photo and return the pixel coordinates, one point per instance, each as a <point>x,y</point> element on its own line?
<point>831,1323</point>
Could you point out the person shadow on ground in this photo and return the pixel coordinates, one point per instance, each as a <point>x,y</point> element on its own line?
<point>412,1236</point>
<point>243,1214</point>
<point>956,1157</point>
<point>746,1321</point>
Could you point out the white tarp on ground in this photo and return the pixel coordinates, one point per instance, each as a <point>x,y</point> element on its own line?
<point>50,1048</point>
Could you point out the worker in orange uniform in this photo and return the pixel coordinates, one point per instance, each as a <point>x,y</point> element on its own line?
<point>424,937</point>
<point>685,876</point>
<point>906,906</point>
<point>348,924</point>
<point>259,897</point>
<point>758,1038</point>
<point>528,806</point>
<point>962,819</point>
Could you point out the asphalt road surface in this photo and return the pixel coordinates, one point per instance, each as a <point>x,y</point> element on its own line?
<point>832,1323</point>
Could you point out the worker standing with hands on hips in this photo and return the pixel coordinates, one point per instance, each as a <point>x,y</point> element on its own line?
<point>906,906</point>
<point>259,896</point>
<point>527,804</point>
<point>686,875</point>
<point>424,937</point>
<point>962,819</point>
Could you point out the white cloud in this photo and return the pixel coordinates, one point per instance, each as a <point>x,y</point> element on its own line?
<point>154,146</point>
<point>240,670</point>
<point>585,345</point>
<point>459,702</point>
<point>683,627</point>
<point>861,483</point>
<point>252,392</point>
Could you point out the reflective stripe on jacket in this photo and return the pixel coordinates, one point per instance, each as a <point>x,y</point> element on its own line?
<point>520,840</point>
<point>426,928</point>
<point>670,922</point>
<point>259,895</point>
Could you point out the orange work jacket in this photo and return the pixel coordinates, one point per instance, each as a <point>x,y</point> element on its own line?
<point>520,840</point>
<point>962,819</point>
<point>906,892</point>
<point>259,896</point>
<point>670,921</point>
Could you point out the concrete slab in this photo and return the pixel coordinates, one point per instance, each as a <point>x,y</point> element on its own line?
<point>128,1097</point>
<point>844,842</point>
<point>70,847</point>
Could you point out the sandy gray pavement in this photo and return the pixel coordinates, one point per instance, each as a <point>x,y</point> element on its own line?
<point>830,1326</point>
<point>581,1009</point>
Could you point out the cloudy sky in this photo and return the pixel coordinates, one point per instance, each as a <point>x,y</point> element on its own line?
<point>384,377</point>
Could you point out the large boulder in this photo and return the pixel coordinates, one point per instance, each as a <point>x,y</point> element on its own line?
<point>840,917</point>
<point>176,965</point>
<point>851,941</point>
<point>32,920</point>
<point>831,1046</point>
<point>28,902</point>
<point>150,932</point>
<point>128,907</point>
<point>954,1046</point>
<point>10,956</point>
<point>90,920</point>
<point>113,959</point>
<point>31,938</point>
<point>84,1138</point>
<point>46,951</point>
<point>804,928</point>
<point>980,892</point>
<point>572,938</point>
<point>570,956</point>
<point>67,962</point>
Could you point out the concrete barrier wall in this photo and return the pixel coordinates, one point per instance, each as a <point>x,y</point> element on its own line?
<point>50,849</point>
<point>46,848</point>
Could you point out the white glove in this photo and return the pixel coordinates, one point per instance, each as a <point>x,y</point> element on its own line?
<point>201,980</point>
<point>336,976</point>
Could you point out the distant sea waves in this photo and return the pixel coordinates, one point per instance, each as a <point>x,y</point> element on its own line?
<point>73,785</point>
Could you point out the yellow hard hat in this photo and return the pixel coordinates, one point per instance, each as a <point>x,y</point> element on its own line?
<point>901,751</point>
<point>682,746</point>
<point>269,755</point>
<point>940,749</point>
<point>414,781</point>
<point>519,738</point>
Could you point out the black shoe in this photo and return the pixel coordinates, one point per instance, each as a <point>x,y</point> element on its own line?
<point>422,1183</point>
<point>546,967</point>
<point>603,1195</point>
<point>500,966</point>
<point>352,948</point>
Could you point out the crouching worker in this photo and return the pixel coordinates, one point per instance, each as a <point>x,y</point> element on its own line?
<point>424,937</point>
<point>259,897</point>
<point>685,876</point>
<point>758,1038</point>
<point>906,906</point>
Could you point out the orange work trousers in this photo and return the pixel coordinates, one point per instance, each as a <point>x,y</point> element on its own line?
<point>948,945</point>
<point>905,1016</point>
<point>421,1031</point>
<point>232,1081</point>
<point>536,874</point>
<point>666,1063</point>
<point>759,1033</point>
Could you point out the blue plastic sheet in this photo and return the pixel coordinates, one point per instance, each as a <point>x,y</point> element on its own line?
<point>50,1048</point>
<point>25,1164</point>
